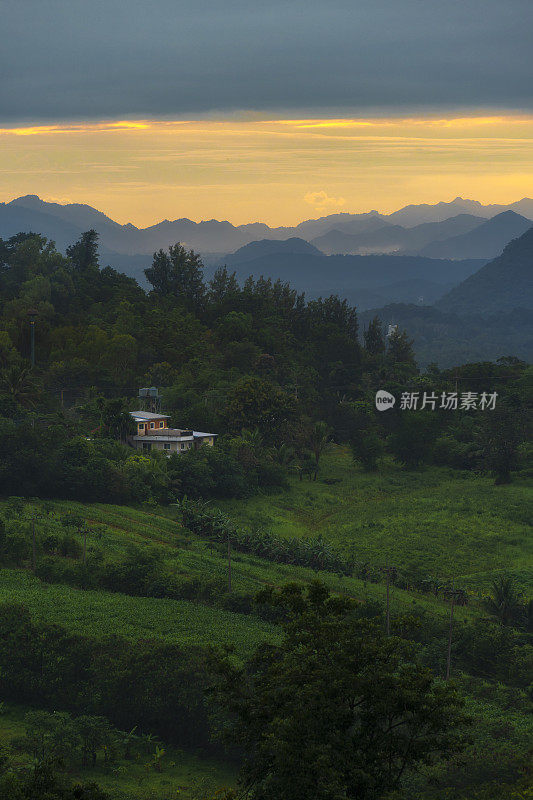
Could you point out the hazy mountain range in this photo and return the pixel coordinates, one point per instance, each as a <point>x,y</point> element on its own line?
<point>365,281</point>
<point>486,316</point>
<point>63,223</point>
<point>462,236</point>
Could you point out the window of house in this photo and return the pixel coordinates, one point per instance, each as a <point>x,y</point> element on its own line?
<point>167,445</point>
<point>147,445</point>
<point>141,426</point>
<point>152,424</point>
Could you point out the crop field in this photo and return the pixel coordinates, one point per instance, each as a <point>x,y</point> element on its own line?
<point>433,521</point>
<point>115,528</point>
<point>99,613</point>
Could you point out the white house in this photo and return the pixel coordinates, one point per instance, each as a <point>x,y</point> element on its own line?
<point>153,433</point>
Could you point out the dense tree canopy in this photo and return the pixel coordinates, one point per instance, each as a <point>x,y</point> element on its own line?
<point>338,710</point>
<point>228,358</point>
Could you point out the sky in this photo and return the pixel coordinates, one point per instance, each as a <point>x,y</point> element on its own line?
<point>275,111</point>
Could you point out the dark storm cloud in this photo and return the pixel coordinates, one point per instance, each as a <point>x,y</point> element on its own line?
<point>64,59</point>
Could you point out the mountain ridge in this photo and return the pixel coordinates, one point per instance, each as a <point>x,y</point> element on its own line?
<point>484,241</point>
<point>221,236</point>
<point>504,284</point>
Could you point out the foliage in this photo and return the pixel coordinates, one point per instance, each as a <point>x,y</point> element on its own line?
<point>337,709</point>
<point>505,601</point>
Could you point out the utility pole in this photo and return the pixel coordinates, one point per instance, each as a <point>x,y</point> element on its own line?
<point>229,564</point>
<point>84,544</point>
<point>33,544</point>
<point>449,655</point>
<point>387,618</point>
<point>387,570</point>
<point>32,313</point>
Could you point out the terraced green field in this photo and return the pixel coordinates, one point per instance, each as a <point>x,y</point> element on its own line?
<point>434,522</point>
<point>99,613</point>
<point>437,521</point>
<point>115,528</point>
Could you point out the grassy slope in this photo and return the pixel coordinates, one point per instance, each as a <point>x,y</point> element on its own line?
<point>117,527</point>
<point>99,613</point>
<point>436,521</point>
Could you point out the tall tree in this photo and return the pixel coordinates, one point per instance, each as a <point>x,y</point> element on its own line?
<point>319,438</point>
<point>373,338</point>
<point>223,286</point>
<point>180,273</point>
<point>500,434</point>
<point>400,349</point>
<point>337,710</point>
<point>84,253</point>
<point>160,273</point>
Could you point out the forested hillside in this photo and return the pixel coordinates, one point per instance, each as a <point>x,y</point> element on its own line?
<point>325,561</point>
<point>502,285</point>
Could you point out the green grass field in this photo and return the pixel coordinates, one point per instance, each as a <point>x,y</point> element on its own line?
<point>184,775</point>
<point>435,521</point>
<point>187,556</point>
<point>99,613</point>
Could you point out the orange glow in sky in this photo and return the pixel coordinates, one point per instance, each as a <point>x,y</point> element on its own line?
<point>277,171</point>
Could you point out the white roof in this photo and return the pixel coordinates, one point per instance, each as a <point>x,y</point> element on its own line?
<point>140,415</point>
<point>201,433</point>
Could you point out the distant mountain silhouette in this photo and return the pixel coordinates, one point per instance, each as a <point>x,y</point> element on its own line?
<point>17,219</point>
<point>504,284</point>
<point>79,214</point>
<point>270,247</point>
<point>485,241</point>
<point>348,275</point>
<point>213,238</point>
<point>412,215</point>
<point>385,239</point>
<point>421,235</point>
<point>395,238</point>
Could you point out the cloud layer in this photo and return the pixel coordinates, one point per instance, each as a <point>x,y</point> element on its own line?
<point>276,171</point>
<point>115,59</point>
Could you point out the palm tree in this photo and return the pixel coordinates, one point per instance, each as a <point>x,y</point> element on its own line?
<point>505,601</point>
<point>284,454</point>
<point>18,382</point>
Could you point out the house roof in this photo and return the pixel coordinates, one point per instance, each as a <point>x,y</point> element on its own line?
<point>162,438</point>
<point>147,415</point>
<point>171,434</point>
